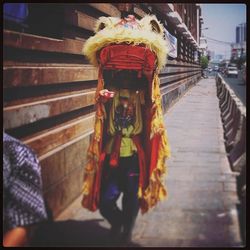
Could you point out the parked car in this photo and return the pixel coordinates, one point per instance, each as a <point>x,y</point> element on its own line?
<point>209,69</point>
<point>216,68</point>
<point>232,71</point>
<point>204,73</point>
<point>224,70</point>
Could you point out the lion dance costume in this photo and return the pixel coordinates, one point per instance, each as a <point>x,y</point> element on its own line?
<point>128,45</point>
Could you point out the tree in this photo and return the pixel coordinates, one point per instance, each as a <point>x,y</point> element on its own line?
<point>204,62</point>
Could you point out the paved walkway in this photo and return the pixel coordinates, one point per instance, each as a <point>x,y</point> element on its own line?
<point>201,206</point>
<point>201,209</point>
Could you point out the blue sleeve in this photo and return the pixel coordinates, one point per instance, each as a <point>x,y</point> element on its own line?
<point>17,12</point>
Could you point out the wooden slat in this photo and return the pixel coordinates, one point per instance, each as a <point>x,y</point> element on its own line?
<point>79,19</point>
<point>163,8</point>
<point>10,63</point>
<point>27,75</point>
<point>67,144</point>
<point>32,42</point>
<point>172,92</point>
<point>18,115</point>
<point>56,166</point>
<point>173,86</point>
<point>106,8</point>
<point>72,34</point>
<point>48,140</point>
<point>175,62</point>
<point>61,195</point>
<point>167,79</point>
<point>47,93</point>
<point>85,21</point>
<point>139,12</point>
<point>177,70</point>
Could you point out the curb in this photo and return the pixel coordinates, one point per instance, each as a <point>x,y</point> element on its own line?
<point>233,115</point>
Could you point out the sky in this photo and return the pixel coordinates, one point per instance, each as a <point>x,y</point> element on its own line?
<point>221,20</point>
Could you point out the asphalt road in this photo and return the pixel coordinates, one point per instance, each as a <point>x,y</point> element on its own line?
<point>236,84</point>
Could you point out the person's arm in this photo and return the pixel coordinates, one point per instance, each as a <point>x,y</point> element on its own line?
<point>24,206</point>
<point>105,95</point>
<point>16,237</point>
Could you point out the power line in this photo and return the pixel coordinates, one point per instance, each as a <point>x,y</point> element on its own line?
<point>218,41</point>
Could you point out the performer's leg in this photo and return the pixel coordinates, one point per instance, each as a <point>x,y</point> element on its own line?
<point>130,200</point>
<point>108,207</point>
<point>110,192</point>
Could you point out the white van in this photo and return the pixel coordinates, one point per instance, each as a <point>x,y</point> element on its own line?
<point>232,71</point>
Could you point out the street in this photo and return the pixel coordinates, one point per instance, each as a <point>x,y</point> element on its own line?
<point>236,84</point>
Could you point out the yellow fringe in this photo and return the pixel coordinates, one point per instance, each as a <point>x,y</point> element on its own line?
<point>110,35</point>
<point>156,190</point>
<point>93,153</point>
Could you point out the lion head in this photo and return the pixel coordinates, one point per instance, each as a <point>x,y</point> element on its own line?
<point>147,33</point>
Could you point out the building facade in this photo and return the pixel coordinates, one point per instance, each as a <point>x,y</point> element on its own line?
<point>238,49</point>
<point>182,21</point>
<point>203,46</point>
<point>241,33</point>
<point>211,54</point>
<point>49,86</point>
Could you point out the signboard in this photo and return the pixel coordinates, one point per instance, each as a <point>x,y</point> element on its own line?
<point>172,44</point>
<point>196,56</point>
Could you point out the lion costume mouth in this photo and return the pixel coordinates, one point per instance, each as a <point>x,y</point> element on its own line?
<point>135,64</point>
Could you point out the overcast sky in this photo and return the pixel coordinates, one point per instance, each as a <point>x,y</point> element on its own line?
<point>222,19</point>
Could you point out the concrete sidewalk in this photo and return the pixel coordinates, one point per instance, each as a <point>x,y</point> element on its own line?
<point>201,208</point>
<point>202,198</point>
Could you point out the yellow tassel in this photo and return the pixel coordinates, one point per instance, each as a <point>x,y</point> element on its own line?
<point>93,153</point>
<point>139,192</point>
<point>156,190</point>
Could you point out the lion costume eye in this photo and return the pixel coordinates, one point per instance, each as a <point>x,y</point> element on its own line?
<point>101,26</point>
<point>105,22</point>
<point>155,26</point>
<point>150,23</point>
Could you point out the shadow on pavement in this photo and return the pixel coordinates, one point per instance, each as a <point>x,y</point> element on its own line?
<point>71,233</point>
<point>241,208</point>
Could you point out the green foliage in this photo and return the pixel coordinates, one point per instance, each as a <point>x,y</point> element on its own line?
<point>204,62</point>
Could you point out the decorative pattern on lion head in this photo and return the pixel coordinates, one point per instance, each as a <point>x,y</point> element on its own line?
<point>148,32</point>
